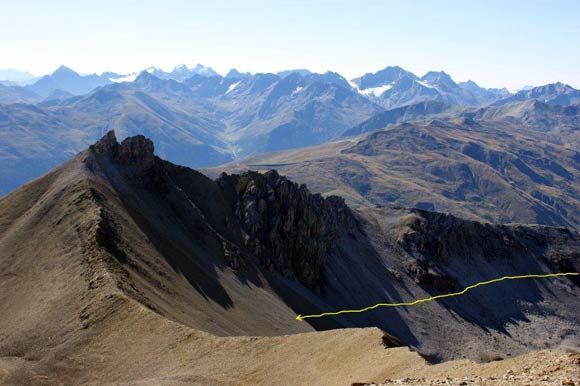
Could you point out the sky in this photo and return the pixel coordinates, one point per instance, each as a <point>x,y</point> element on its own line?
<point>495,43</point>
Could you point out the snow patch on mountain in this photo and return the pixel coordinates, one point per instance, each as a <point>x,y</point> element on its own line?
<point>232,87</point>
<point>424,84</point>
<point>297,90</point>
<point>371,91</point>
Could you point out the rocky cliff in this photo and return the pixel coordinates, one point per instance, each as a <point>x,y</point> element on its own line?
<point>272,219</point>
<point>289,229</point>
<point>433,239</point>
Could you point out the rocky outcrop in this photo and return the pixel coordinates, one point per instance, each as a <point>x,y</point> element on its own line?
<point>137,150</point>
<point>283,226</point>
<point>424,276</point>
<point>289,229</point>
<point>137,153</point>
<point>439,236</point>
<point>433,239</point>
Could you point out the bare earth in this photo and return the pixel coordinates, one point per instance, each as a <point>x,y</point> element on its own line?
<point>540,368</point>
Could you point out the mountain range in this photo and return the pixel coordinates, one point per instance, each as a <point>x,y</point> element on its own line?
<point>518,162</point>
<point>201,119</point>
<point>513,158</point>
<point>121,264</point>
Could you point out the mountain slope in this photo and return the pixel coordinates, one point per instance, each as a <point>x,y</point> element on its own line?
<point>17,94</point>
<point>69,81</point>
<point>408,113</point>
<point>37,138</point>
<point>121,256</point>
<point>70,315</point>
<point>489,170</point>
<point>553,123</point>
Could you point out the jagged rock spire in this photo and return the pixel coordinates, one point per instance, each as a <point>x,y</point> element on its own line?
<point>133,150</point>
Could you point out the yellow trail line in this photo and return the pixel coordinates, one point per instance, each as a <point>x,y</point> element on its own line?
<point>419,301</point>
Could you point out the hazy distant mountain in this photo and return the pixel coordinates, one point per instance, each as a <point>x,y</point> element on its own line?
<point>16,77</point>
<point>182,72</point>
<point>484,94</point>
<point>226,118</point>
<point>58,95</point>
<point>235,74</point>
<point>387,76</point>
<point>440,80</point>
<point>69,81</point>
<point>8,83</point>
<point>266,112</point>
<point>409,90</point>
<point>553,123</point>
<point>302,71</point>
<point>553,93</point>
<point>17,94</point>
<point>201,122</point>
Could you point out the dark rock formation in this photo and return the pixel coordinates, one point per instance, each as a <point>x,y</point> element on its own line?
<point>289,229</point>
<point>427,278</point>
<point>266,216</point>
<point>433,239</point>
<point>136,150</point>
<point>439,236</point>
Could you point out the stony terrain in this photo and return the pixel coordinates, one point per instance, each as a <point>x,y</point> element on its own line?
<point>541,369</point>
<point>120,268</point>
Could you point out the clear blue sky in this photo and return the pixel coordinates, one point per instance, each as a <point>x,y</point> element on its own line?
<point>495,43</point>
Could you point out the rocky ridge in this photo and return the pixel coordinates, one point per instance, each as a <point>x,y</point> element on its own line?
<point>433,239</point>
<point>280,223</point>
<point>291,230</point>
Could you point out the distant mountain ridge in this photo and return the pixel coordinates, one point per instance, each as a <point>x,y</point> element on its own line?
<point>518,162</point>
<point>395,87</point>
<point>389,88</point>
<point>554,93</point>
<point>202,119</point>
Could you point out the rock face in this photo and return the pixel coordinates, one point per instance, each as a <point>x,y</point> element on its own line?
<point>433,239</point>
<point>284,226</point>
<point>133,150</point>
<point>291,230</point>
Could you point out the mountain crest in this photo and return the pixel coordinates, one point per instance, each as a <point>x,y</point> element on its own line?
<point>64,70</point>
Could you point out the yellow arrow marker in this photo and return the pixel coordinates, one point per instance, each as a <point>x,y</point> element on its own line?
<point>419,301</point>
